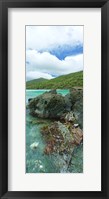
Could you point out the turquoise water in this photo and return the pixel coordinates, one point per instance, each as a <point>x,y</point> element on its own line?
<point>36,160</point>
<point>34,93</point>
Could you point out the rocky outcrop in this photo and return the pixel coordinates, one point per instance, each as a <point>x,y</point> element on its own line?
<point>48,105</point>
<point>76,98</point>
<point>55,106</point>
<point>76,95</point>
<point>61,139</point>
<point>63,134</point>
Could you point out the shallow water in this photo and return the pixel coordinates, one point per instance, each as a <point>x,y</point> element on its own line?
<point>36,160</point>
<point>34,93</point>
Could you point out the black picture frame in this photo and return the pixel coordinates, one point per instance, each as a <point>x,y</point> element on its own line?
<point>4,5</point>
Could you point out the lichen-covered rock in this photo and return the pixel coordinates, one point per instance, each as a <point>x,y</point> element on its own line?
<point>61,138</point>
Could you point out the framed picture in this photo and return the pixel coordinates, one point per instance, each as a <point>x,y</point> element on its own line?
<point>54,99</point>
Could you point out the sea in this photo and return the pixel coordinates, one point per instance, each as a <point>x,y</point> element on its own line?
<point>36,160</point>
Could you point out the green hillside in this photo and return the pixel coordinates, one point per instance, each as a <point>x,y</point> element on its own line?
<point>61,82</point>
<point>36,80</point>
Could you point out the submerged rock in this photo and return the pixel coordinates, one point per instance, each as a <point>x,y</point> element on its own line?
<point>34,145</point>
<point>61,140</point>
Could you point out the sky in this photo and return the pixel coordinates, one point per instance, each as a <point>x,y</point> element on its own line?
<point>52,51</point>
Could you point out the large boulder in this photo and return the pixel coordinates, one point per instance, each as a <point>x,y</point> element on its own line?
<point>75,95</point>
<point>76,98</point>
<point>49,105</point>
<point>55,106</point>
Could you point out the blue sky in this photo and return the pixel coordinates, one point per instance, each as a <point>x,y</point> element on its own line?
<point>52,51</point>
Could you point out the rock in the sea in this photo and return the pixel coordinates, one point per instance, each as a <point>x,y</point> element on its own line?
<point>55,106</point>
<point>53,91</point>
<point>76,98</point>
<point>34,145</point>
<point>76,95</point>
<point>48,105</point>
<point>61,137</point>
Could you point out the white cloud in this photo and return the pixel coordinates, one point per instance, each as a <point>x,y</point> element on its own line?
<point>45,65</point>
<point>35,75</point>
<point>46,38</point>
<point>49,37</point>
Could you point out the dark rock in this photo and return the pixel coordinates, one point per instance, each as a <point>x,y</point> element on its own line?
<point>30,99</point>
<point>53,91</point>
<point>74,101</point>
<point>55,106</point>
<point>75,95</point>
<point>78,112</point>
<point>68,102</point>
<point>48,105</point>
<point>76,98</point>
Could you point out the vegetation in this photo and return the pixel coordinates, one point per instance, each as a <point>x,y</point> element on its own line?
<point>61,82</point>
<point>37,80</point>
